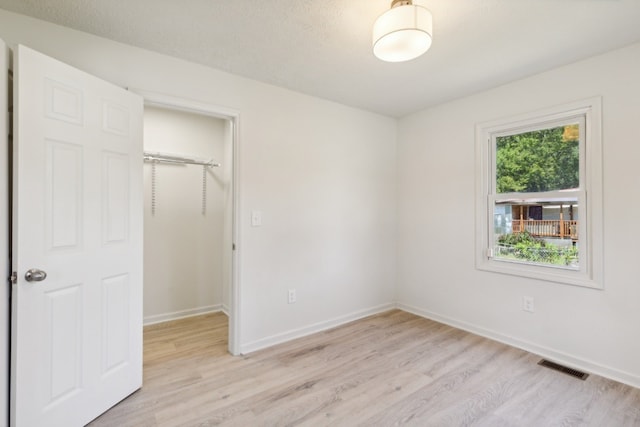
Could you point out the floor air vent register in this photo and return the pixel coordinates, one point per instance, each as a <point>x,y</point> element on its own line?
<point>565,370</point>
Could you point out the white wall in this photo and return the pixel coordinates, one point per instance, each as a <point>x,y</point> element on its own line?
<point>322,174</point>
<point>183,248</point>
<point>594,329</point>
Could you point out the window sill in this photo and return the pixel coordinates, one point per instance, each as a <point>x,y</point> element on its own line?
<point>540,272</point>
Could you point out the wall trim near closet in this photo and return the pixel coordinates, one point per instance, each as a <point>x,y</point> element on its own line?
<point>183,314</point>
<point>161,100</point>
<point>314,328</point>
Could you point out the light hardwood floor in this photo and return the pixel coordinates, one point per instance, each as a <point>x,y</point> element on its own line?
<point>390,369</point>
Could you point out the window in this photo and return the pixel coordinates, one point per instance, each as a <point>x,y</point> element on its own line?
<point>539,207</point>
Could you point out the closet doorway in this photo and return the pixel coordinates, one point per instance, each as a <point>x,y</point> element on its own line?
<point>190,209</point>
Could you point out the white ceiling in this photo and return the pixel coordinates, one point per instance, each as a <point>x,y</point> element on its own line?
<point>323,47</point>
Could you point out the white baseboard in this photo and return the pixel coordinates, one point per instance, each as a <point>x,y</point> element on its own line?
<point>225,309</point>
<point>166,317</point>
<point>545,352</point>
<point>312,329</point>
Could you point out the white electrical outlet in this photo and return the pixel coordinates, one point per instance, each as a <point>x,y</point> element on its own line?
<point>292,296</point>
<point>527,304</point>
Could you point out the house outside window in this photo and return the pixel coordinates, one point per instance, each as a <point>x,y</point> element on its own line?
<point>539,195</point>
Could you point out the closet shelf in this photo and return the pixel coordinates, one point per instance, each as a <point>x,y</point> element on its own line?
<point>174,158</point>
<point>155,158</point>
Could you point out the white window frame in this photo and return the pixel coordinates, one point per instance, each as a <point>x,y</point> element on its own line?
<point>589,194</point>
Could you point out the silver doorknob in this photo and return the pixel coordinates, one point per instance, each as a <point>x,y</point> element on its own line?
<point>35,275</point>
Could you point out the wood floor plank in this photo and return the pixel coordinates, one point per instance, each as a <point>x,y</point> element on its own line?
<point>389,369</point>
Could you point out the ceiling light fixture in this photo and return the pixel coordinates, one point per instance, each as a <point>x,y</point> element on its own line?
<point>403,32</point>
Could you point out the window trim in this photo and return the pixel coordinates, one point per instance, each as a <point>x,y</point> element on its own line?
<point>590,273</point>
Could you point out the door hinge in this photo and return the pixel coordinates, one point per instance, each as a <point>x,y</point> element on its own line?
<point>489,253</point>
<point>233,247</point>
<point>14,278</point>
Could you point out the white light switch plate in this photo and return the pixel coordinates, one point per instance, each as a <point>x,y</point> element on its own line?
<point>256,218</point>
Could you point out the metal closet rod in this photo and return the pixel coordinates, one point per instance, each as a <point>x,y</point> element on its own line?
<point>172,158</point>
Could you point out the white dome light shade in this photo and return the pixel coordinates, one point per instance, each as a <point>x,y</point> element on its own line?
<point>402,33</point>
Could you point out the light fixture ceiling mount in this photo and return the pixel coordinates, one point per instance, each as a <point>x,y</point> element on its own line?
<point>403,32</point>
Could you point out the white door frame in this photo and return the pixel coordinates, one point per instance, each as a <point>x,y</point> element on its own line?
<point>4,233</point>
<point>155,99</point>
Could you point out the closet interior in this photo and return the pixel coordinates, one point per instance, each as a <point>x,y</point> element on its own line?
<point>187,215</point>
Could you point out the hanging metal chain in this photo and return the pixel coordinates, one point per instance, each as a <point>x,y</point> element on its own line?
<point>153,188</point>
<point>155,159</point>
<point>204,190</point>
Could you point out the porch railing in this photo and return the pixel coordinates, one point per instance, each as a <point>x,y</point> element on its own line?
<point>547,228</point>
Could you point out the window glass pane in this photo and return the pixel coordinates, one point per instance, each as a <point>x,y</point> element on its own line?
<point>537,231</point>
<point>539,160</point>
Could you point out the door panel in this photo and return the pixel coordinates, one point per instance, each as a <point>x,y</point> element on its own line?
<point>77,335</point>
<point>63,207</point>
<point>115,310</point>
<point>115,170</point>
<point>63,313</point>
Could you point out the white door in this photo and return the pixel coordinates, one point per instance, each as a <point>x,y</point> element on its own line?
<point>76,334</point>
